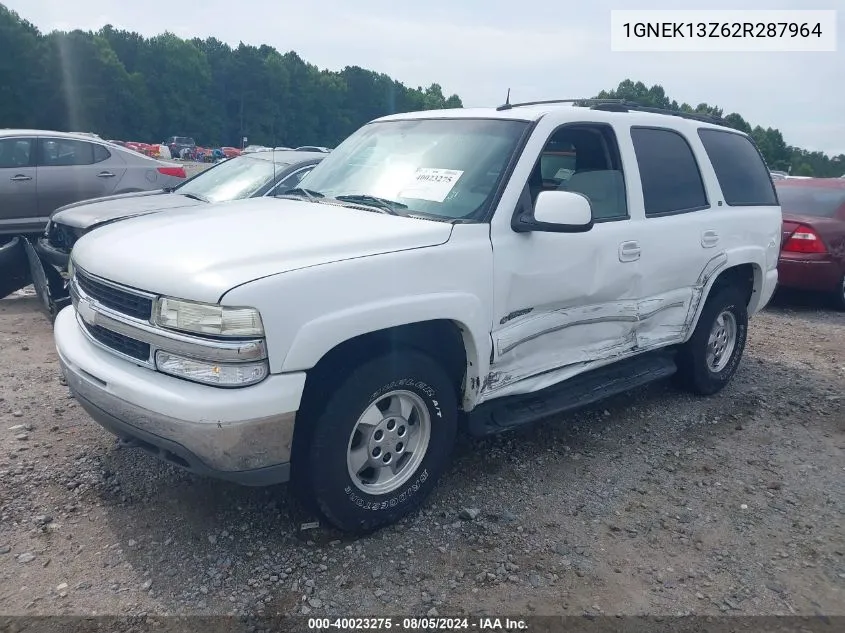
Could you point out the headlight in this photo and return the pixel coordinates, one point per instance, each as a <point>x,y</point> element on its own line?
<point>219,374</point>
<point>206,318</point>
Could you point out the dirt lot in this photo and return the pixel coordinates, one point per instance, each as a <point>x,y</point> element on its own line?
<point>651,503</point>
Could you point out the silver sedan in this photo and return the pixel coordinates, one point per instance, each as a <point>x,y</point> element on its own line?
<point>41,171</point>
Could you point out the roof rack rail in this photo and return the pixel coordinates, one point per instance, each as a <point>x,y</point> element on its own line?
<point>628,106</point>
<point>620,105</point>
<point>578,102</point>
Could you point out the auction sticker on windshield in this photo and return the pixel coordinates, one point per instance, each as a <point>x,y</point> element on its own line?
<point>429,183</point>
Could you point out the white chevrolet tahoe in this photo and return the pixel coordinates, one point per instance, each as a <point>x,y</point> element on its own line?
<point>475,268</point>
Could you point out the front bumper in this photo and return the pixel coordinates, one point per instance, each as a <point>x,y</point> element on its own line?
<point>53,255</point>
<point>242,435</point>
<point>810,271</point>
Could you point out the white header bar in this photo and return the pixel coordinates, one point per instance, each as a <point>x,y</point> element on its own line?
<point>723,31</point>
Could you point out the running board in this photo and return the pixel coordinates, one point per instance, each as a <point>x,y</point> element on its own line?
<point>584,389</point>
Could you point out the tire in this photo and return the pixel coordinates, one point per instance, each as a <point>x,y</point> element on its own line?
<point>839,296</point>
<point>322,475</point>
<point>695,372</point>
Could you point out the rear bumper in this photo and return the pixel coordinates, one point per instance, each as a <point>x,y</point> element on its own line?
<point>241,435</point>
<point>810,272</point>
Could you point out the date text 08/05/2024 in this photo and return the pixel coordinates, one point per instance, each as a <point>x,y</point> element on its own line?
<point>418,624</point>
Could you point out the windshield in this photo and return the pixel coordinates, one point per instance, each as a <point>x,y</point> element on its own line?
<point>234,179</point>
<point>817,201</point>
<point>448,168</point>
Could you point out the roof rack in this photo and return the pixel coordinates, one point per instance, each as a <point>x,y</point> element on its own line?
<point>619,105</point>
<point>574,102</point>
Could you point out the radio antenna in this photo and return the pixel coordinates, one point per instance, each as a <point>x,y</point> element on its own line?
<point>507,104</point>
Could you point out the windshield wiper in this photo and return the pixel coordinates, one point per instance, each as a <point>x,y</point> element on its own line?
<point>383,204</point>
<point>298,193</point>
<point>196,196</point>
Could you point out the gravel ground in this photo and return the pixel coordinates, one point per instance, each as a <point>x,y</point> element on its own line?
<point>652,503</point>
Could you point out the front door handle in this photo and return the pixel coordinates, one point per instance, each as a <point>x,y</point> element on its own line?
<point>709,239</point>
<point>105,174</point>
<point>629,251</point>
<point>20,178</point>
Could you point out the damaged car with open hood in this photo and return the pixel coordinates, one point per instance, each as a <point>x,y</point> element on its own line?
<point>432,272</point>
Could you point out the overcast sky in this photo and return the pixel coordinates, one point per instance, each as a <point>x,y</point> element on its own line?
<point>480,48</point>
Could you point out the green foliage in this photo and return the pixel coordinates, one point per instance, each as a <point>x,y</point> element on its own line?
<point>778,154</point>
<point>124,86</point>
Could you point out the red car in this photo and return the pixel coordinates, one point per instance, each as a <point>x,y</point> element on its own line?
<point>812,253</point>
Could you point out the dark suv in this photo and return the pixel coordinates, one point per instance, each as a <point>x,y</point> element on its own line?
<point>177,143</point>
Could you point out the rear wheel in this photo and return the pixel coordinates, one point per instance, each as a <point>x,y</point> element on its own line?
<point>839,295</point>
<point>380,443</point>
<point>711,357</point>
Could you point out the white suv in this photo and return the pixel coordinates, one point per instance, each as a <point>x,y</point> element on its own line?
<point>482,268</point>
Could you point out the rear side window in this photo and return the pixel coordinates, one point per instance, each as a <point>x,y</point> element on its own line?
<point>742,174</point>
<point>101,154</point>
<point>669,172</point>
<point>59,152</point>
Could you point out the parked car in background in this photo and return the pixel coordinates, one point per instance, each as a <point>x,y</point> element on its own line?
<point>813,245</point>
<point>42,170</point>
<point>178,143</point>
<point>313,148</point>
<point>250,176</point>
<point>252,149</point>
<point>778,175</point>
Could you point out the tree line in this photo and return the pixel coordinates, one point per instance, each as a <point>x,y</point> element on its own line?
<point>125,86</point>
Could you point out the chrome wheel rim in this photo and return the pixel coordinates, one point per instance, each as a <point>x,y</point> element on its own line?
<point>388,442</point>
<point>722,341</point>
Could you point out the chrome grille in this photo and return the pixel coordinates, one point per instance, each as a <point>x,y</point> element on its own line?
<point>123,301</point>
<point>119,343</point>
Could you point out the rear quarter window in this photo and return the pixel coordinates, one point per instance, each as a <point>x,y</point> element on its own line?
<point>740,170</point>
<point>101,154</point>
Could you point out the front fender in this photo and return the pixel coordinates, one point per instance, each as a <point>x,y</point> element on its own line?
<point>322,334</point>
<point>308,312</point>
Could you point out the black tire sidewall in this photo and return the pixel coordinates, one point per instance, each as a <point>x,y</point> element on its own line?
<point>336,495</point>
<point>839,295</point>
<point>703,379</point>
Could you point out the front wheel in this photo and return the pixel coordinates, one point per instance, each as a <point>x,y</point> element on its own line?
<point>380,443</point>
<point>711,356</point>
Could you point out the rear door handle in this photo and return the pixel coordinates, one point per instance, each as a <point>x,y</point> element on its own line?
<point>105,174</point>
<point>629,251</point>
<point>20,177</point>
<point>709,239</point>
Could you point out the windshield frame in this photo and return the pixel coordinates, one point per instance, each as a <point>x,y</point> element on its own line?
<point>485,211</point>
<point>808,191</point>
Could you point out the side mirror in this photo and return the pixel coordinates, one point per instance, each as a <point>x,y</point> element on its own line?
<point>556,212</point>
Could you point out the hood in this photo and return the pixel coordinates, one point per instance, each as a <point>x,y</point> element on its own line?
<point>86,215</point>
<point>187,256</point>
